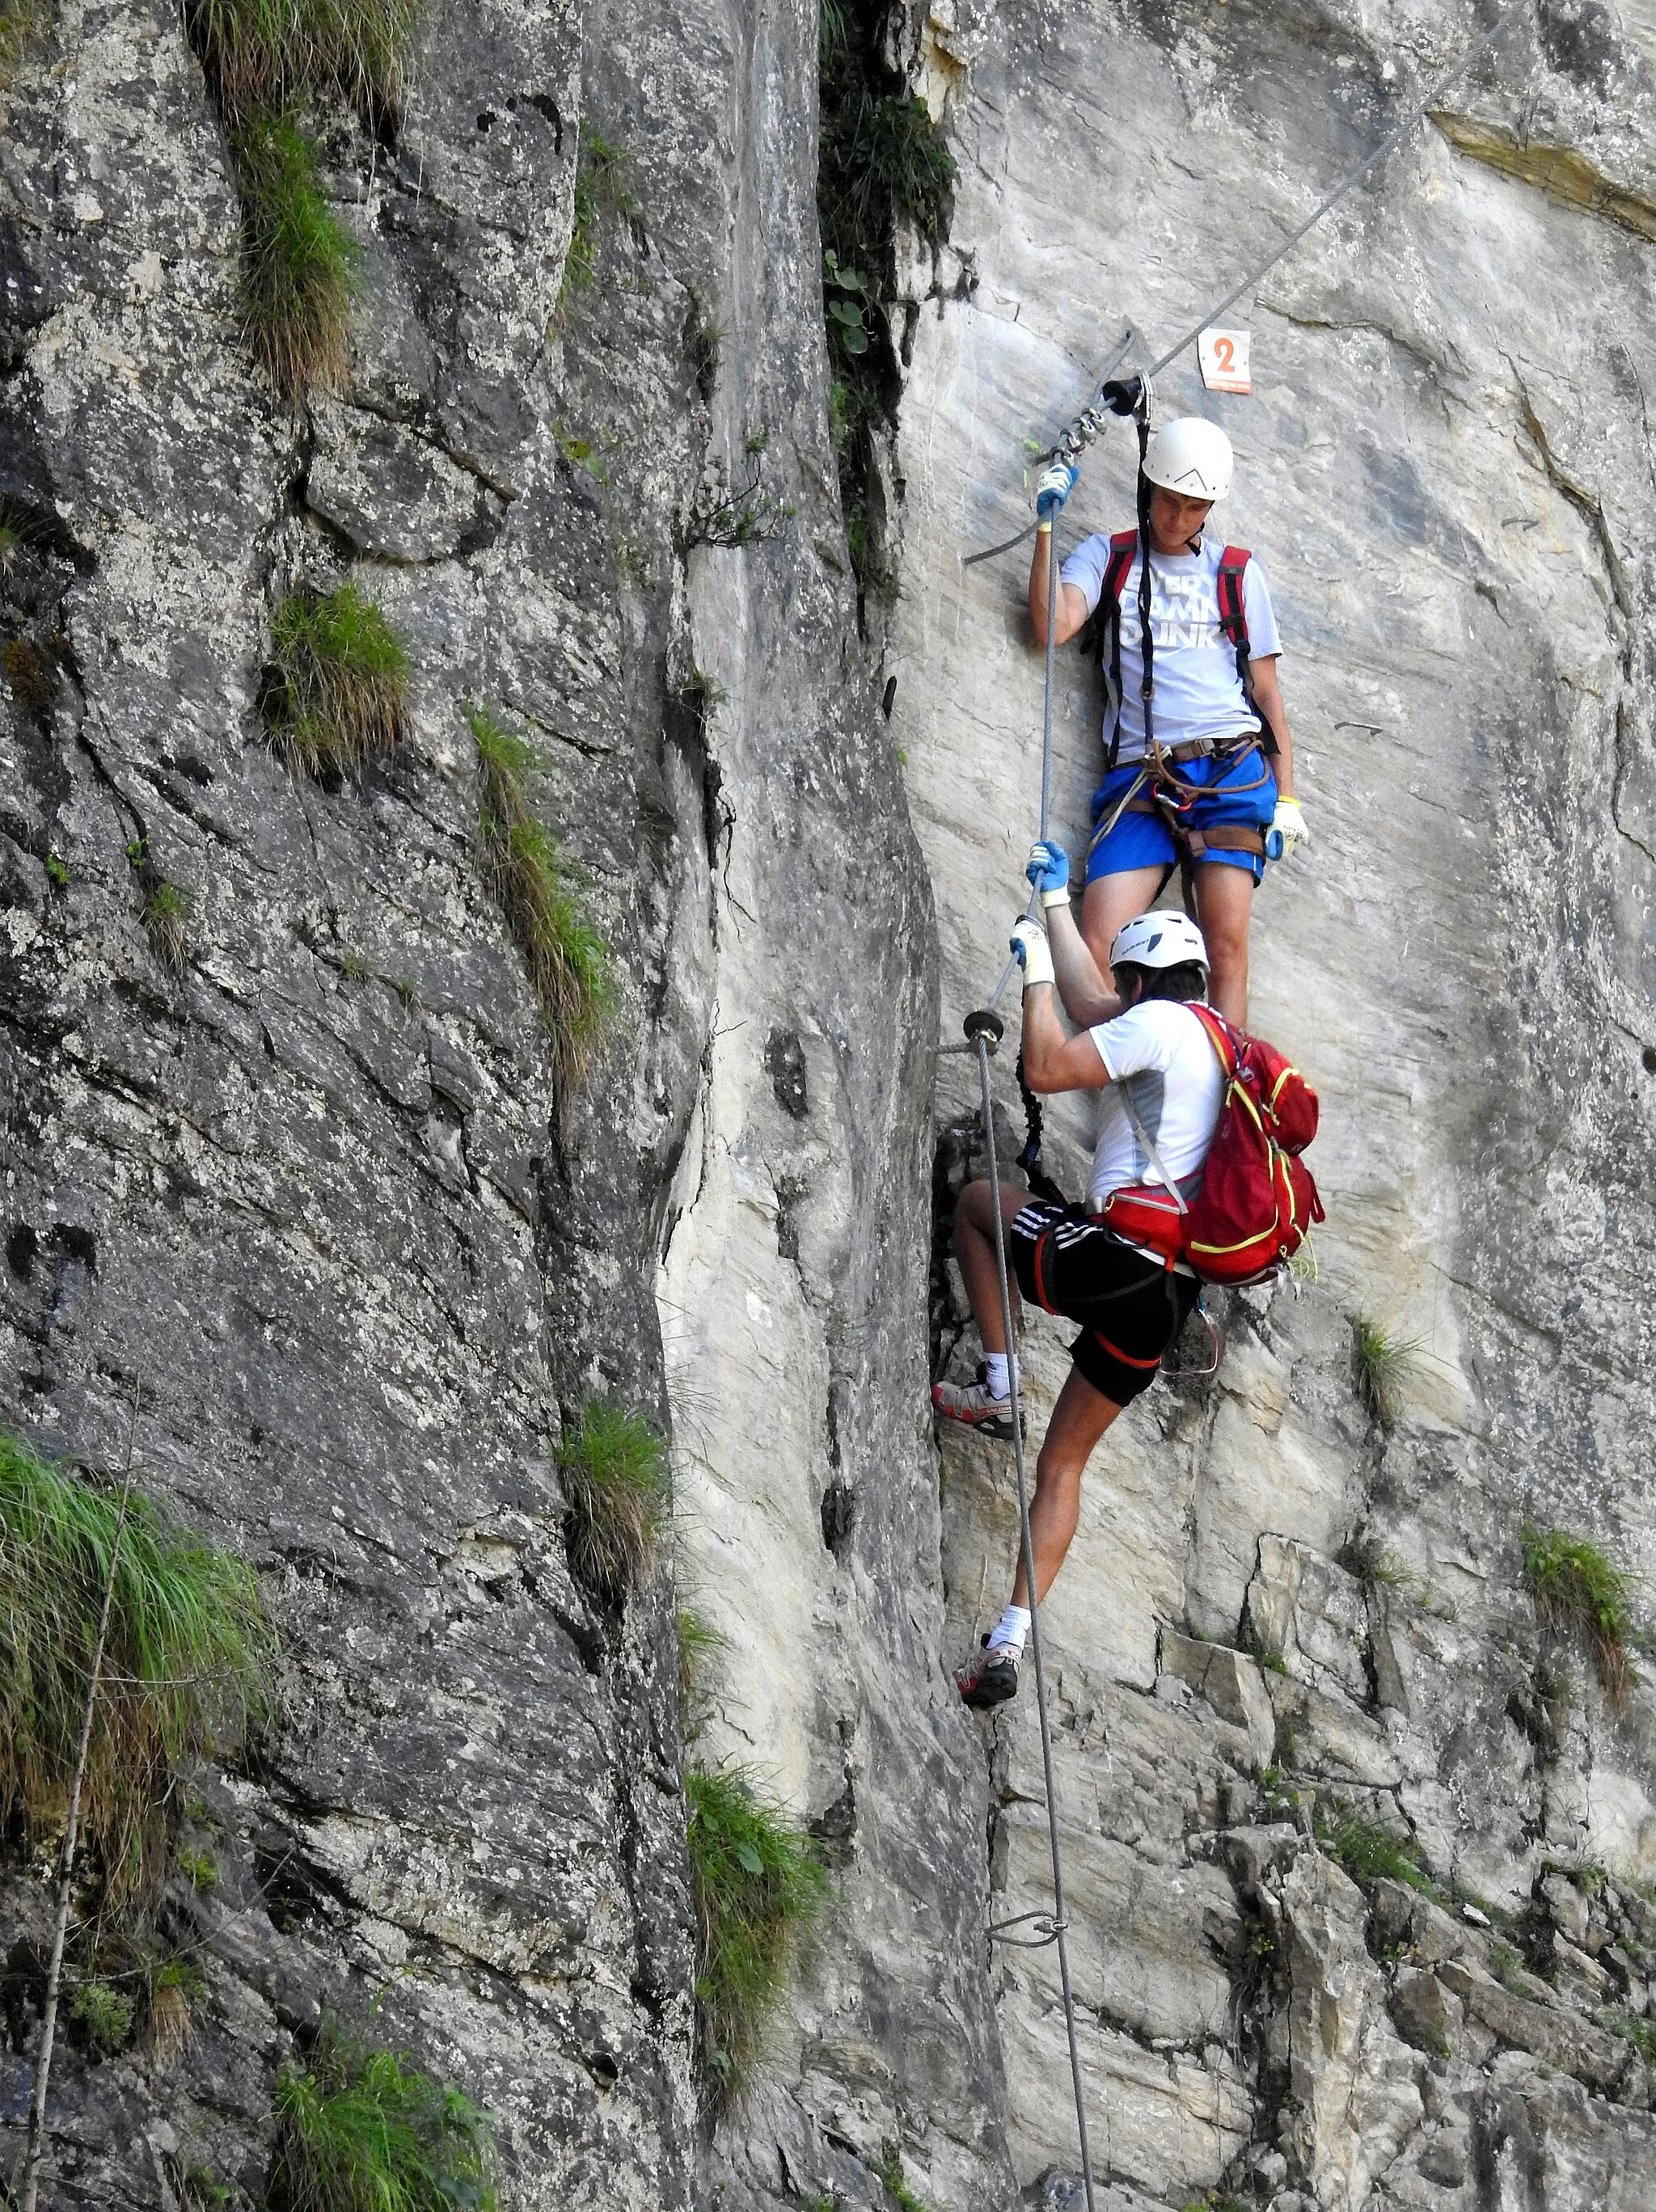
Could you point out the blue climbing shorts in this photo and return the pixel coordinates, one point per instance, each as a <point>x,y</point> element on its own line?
<point>1227,792</point>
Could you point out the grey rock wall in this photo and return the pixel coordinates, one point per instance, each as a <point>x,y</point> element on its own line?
<point>302,1213</point>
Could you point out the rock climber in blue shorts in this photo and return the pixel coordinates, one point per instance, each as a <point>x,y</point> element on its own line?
<point>1203,785</point>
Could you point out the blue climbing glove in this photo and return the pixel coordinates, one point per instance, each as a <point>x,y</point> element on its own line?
<point>1054,487</point>
<point>1032,953</point>
<point>1047,870</point>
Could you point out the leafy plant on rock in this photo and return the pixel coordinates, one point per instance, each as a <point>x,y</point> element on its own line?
<point>337,692</point>
<point>1368,1851</point>
<point>568,961</point>
<point>757,1881</point>
<point>614,1470</point>
<point>364,2130</point>
<point>1576,1585</point>
<point>188,1659</point>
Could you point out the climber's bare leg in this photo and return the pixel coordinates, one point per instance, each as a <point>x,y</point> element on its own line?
<point>1108,902</point>
<point>1224,906</point>
<point>1078,1420</point>
<point>974,1247</point>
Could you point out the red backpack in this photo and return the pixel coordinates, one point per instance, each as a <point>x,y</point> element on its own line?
<point>1258,1199</point>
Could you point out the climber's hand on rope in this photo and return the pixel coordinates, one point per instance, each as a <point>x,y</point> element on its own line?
<point>1289,824</point>
<point>1032,951</point>
<point>1054,487</point>
<point>1047,870</point>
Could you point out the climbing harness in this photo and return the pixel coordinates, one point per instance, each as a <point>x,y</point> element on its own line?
<point>984,1030</point>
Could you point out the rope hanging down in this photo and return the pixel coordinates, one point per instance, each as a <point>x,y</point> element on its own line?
<point>1092,420</point>
<point>984,1031</point>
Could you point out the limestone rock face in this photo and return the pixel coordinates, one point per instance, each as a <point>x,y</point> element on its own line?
<point>1356,1847</point>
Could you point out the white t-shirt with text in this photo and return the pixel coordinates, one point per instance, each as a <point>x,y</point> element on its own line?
<point>1198,693</point>
<point>1161,1053</point>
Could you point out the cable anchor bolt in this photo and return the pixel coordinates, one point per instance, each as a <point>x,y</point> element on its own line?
<point>983,1022</point>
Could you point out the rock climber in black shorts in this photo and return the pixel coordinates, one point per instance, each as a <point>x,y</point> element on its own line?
<point>1157,1075</point>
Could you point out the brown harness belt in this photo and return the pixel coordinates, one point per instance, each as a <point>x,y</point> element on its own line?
<point>1161,799</point>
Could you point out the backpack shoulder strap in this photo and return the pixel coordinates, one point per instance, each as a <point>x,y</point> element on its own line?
<point>1234,620</point>
<point>1233,610</point>
<point>1225,1042</point>
<point>1123,547</point>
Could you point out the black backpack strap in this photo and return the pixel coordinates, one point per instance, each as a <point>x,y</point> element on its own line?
<point>1123,548</point>
<point>1234,620</point>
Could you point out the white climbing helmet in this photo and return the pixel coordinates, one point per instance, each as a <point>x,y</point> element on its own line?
<point>1167,939</point>
<point>1190,456</point>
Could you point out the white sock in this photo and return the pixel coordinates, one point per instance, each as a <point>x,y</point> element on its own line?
<point>1009,1631</point>
<point>995,1374</point>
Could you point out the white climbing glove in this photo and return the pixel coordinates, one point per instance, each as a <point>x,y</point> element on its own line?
<point>1054,487</point>
<point>1289,824</point>
<point>1047,870</point>
<point>1033,952</point>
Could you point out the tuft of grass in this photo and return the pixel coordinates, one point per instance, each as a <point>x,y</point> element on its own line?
<point>166,912</point>
<point>1640,2032</point>
<point>568,961</point>
<point>1367,1851</point>
<point>362,2130</point>
<point>614,1468</point>
<point>757,1882</point>
<point>601,186</point>
<point>17,19</point>
<point>1382,1364</point>
<point>889,2170</point>
<point>698,1645</point>
<point>264,55</point>
<point>301,259</point>
<point>338,692</point>
<point>189,1661</point>
<point>1576,1585</point>
<point>174,1989</point>
<point>1366,1556</point>
<point>56,871</point>
<point>105,2016</point>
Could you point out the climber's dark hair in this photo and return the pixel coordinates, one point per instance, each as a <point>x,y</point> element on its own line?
<point>1186,981</point>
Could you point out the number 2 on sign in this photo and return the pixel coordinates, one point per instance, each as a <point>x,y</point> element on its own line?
<point>1224,358</point>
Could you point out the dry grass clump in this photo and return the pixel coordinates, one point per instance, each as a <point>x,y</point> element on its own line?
<point>338,690</point>
<point>1576,1585</point>
<point>614,1468</point>
<point>188,1659</point>
<point>263,55</point>
<point>568,961</point>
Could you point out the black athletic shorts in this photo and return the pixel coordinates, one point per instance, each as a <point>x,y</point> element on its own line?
<point>1130,1308</point>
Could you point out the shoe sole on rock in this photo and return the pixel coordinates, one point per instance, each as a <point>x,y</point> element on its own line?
<point>998,1425</point>
<point>986,1692</point>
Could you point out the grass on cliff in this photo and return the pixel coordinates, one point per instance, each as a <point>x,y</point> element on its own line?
<point>601,186</point>
<point>265,55</point>
<point>1576,1585</point>
<point>338,692</point>
<point>1382,1362</point>
<point>614,1470</point>
<point>299,269</point>
<point>189,1658</point>
<point>16,23</point>
<point>1366,1850</point>
<point>568,961</point>
<point>757,1882</point>
<point>362,2129</point>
